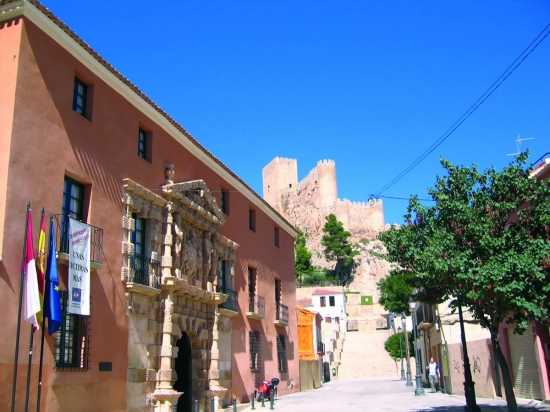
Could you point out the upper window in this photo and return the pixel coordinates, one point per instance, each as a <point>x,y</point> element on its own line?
<point>80,97</point>
<point>323,301</point>
<point>225,202</point>
<point>142,144</point>
<point>252,219</point>
<point>331,300</point>
<point>73,199</point>
<point>72,340</point>
<point>222,278</point>
<point>138,236</point>
<point>276,236</point>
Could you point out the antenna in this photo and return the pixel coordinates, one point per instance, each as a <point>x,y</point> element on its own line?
<point>518,144</point>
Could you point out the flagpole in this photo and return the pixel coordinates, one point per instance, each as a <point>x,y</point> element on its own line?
<point>29,370</point>
<point>43,330</point>
<point>14,385</point>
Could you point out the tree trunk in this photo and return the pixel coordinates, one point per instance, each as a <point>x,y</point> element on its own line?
<point>506,377</point>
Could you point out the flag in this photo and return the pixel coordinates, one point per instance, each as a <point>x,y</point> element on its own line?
<point>40,267</point>
<point>31,296</point>
<point>52,302</point>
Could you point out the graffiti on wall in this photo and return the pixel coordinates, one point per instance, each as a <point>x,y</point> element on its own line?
<point>476,365</point>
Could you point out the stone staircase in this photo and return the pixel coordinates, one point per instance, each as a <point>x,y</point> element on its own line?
<point>364,357</point>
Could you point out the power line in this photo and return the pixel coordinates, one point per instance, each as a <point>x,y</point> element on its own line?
<point>528,50</point>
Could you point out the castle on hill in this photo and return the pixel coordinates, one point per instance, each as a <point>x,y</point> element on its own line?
<point>305,204</point>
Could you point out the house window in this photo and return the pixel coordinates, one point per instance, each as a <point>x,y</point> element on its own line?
<point>255,350</point>
<point>144,145</point>
<point>282,360</point>
<point>323,301</point>
<point>73,206</point>
<point>328,319</point>
<point>331,300</point>
<point>222,280</point>
<point>251,289</point>
<point>72,339</point>
<point>337,320</point>
<point>80,98</point>
<point>252,220</point>
<point>276,236</point>
<point>138,236</point>
<point>225,202</point>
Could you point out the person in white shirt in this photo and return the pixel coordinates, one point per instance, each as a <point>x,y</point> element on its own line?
<point>433,374</point>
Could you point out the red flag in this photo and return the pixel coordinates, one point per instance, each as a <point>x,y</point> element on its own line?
<point>31,296</point>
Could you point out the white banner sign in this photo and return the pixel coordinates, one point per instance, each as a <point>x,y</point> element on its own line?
<point>79,267</point>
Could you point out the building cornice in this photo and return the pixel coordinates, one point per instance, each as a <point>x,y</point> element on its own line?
<point>39,15</point>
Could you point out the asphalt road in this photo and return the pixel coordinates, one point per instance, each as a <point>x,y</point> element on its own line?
<point>383,395</point>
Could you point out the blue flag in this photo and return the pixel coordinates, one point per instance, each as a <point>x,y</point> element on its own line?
<point>52,302</point>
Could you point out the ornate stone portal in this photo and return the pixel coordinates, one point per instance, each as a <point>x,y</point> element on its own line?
<point>172,290</point>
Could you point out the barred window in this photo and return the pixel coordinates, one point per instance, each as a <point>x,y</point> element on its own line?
<point>281,353</point>
<point>72,346</point>
<point>255,350</point>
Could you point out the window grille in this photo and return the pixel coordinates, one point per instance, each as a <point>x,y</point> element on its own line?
<point>255,350</point>
<point>281,353</point>
<point>72,346</point>
<point>142,144</point>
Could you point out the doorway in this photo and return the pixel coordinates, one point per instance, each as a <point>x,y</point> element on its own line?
<point>182,366</point>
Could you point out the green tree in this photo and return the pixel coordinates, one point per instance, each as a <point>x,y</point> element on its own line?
<point>302,262</point>
<point>484,244</point>
<point>395,349</point>
<point>338,248</point>
<point>395,292</point>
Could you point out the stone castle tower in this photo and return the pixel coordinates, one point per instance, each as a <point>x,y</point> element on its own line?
<point>306,203</point>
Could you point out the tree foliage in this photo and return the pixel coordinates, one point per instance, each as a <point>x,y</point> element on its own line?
<point>302,262</point>
<point>337,247</point>
<point>393,347</point>
<point>395,292</point>
<point>484,244</point>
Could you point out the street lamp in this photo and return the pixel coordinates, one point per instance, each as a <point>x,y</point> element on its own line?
<point>419,389</point>
<point>404,323</point>
<point>401,354</point>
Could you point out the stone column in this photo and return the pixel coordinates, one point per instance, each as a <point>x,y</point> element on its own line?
<point>215,389</point>
<point>164,393</point>
<point>166,262</point>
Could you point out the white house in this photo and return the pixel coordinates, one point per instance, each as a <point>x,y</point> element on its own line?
<point>331,304</point>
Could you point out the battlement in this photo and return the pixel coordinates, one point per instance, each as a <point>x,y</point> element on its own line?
<point>326,162</point>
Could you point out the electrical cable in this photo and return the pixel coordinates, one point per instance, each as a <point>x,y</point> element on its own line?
<point>471,110</point>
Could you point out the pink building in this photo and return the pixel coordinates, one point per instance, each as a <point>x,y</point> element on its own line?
<point>192,273</point>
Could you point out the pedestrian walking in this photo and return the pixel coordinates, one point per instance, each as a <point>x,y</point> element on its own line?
<point>433,374</point>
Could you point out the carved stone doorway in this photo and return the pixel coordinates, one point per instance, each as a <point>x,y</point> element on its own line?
<point>182,366</point>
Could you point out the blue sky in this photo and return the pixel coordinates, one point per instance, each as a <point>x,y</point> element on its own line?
<point>369,84</point>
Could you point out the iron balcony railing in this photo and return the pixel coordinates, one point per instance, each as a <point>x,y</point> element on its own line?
<point>146,271</point>
<point>62,238</point>
<point>282,312</point>
<point>232,301</point>
<point>256,304</point>
<point>424,314</point>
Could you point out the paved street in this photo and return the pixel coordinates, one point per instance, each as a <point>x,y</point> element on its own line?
<point>383,395</point>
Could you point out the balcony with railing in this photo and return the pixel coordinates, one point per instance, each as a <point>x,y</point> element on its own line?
<point>424,316</point>
<point>62,241</point>
<point>281,314</point>
<point>231,304</point>
<point>145,271</point>
<point>256,306</point>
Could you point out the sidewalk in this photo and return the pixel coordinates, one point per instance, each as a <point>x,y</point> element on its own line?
<point>383,395</point>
